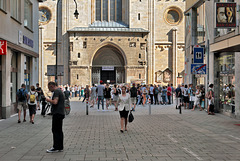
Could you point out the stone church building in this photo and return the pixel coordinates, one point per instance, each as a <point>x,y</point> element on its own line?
<point>117,41</point>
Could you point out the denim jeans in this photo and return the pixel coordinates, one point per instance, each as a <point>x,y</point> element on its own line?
<point>101,98</point>
<point>138,99</point>
<point>73,94</point>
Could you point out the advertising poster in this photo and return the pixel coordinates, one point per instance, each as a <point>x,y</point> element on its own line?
<point>225,15</point>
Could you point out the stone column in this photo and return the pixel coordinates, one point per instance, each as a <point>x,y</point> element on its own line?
<point>237,85</point>
<point>6,76</point>
<point>90,76</point>
<point>174,50</point>
<point>40,66</point>
<point>21,62</point>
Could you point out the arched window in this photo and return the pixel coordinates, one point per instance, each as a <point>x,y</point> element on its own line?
<point>108,10</point>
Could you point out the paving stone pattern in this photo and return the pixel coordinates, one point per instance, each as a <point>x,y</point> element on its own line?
<point>163,135</point>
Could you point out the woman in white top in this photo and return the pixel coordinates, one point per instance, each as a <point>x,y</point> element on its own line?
<point>32,103</point>
<point>198,95</point>
<point>124,106</point>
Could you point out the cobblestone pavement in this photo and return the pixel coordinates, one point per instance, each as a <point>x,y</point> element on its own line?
<point>163,135</point>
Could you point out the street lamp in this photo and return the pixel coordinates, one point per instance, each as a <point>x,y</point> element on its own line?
<point>76,15</point>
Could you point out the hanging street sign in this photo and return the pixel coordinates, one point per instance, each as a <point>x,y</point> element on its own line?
<point>198,68</point>
<point>198,54</point>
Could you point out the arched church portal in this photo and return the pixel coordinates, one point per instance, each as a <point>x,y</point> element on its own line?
<point>108,66</point>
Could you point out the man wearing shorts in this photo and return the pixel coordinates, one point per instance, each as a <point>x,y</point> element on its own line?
<point>22,102</point>
<point>133,93</point>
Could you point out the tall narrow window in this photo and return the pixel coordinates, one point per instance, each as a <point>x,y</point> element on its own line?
<point>108,10</point>
<point>139,16</point>
<point>139,76</point>
<point>77,76</point>
<point>105,10</point>
<point>119,10</point>
<point>28,14</point>
<point>16,9</point>
<point>140,56</point>
<point>79,55</point>
<point>112,10</point>
<point>98,10</point>
<point>3,4</point>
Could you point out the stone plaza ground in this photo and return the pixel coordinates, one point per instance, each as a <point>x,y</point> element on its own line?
<point>163,135</point>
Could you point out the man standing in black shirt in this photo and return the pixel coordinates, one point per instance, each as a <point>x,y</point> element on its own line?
<point>57,102</point>
<point>133,93</point>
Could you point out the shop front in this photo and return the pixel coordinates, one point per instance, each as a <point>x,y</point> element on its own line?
<point>225,82</point>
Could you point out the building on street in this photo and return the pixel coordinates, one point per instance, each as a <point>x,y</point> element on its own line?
<point>117,41</point>
<point>214,25</point>
<point>19,60</point>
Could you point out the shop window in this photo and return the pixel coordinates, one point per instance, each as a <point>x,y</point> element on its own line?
<point>3,4</point>
<point>28,19</point>
<point>16,9</point>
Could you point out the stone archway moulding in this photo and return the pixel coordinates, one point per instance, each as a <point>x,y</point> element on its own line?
<point>109,44</point>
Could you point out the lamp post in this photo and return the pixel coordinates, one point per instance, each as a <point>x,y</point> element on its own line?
<point>76,15</point>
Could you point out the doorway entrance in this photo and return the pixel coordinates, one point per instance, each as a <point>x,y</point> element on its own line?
<point>108,66</point>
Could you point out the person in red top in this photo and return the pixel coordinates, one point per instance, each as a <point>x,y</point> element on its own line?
<point>169,93</point>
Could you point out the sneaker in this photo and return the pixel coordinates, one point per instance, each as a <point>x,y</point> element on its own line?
<point>52,150</point>
<point>24,120</point>
<point>19,121</point>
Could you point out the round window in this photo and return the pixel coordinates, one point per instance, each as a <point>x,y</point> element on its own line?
<point>173,15</point>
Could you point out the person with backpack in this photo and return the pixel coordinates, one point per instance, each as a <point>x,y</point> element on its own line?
<point>178,93</point>
<point>133,94</point>
<point>32,103</point>
<point>22,102</point>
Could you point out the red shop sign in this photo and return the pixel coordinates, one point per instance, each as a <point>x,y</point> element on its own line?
<point>3,47</point>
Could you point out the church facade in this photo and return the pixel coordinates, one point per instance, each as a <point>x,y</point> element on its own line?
<point>117,41</point>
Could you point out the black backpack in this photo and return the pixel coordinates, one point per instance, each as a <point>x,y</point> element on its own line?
<point>133,91</point>
<point>21,95</point>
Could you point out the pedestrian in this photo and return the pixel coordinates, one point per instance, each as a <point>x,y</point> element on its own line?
<point>124,107</point>
<point>86,93</point>
<point>198,95</point>
<point>32,98</point>
<point>58,114</point>
<point>22,102</point>
<point>133,94</point>
<point>210,96</point>
<point>139,95</point>
<point>169,93</point>
<point>186,97</point>
<point>144,94</point>
<point>100,93</point>
<point>93,95</point>
<point>151,93</point>
<point>115,96</point>
<point>178,93</point>
<point>172,91</point>
<point>160,94</point>
<point>156,101</point>
<point>107,95</point>
<point>164,95</point>
<point>76,90</point>
<point>73,91</point>
<point>191,96</point>
<point>40,94</point>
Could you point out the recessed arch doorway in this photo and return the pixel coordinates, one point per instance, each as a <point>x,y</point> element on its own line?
<point>108,65</point>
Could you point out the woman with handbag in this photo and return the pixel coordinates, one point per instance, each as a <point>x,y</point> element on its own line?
<point>124,106</point>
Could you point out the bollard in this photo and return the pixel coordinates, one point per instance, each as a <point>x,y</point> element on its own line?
<point>149,106</point>
<point>87,107</point>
